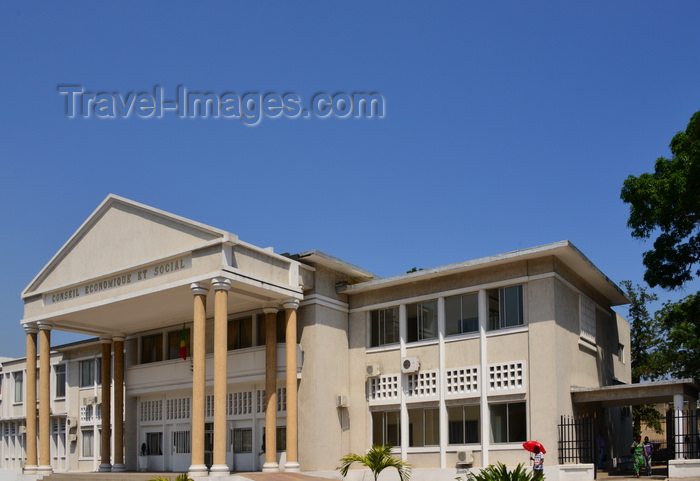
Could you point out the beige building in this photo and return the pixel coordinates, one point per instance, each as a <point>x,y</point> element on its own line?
<point>455,366</point>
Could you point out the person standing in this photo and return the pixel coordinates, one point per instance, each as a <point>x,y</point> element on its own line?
<point>600,444</point>
<point>648,450</point>
<point>637,449</point>
<point>538,464</point>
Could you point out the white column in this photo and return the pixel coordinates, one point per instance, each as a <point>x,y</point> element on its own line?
<point>403,335</point>
<point>680,447</point>
<point>483,377</point>
<point>444,425</point>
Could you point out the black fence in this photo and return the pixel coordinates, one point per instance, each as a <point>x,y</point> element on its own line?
<point>682,434</point>
<point>577,440</point>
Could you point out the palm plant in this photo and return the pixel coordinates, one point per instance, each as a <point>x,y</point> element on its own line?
<point>376,459</point>
<point>500,473</point>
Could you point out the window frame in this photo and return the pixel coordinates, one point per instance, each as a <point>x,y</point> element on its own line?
<point>378,317</point>
<point>461,322</point>
<point>155,352</point>
<point>462,423</point>
<point>422,417</point>
<point>383,418</point>
<point>416,329</point>
<point>18,383</point>
<point>509,407</point>
<point>60,377</point>
<point>503,301</point>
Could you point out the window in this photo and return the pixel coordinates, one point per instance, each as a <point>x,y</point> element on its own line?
<point>621,352</point>
<point>421,321</point>
<point>243,440</point>
<point>505,307</point>
<point>60,370</point>
<point>279,326</point>
<point>152,348</point>
<point>423,427</point>
<point>463,423</point>
<point>154,444</point>
<point>508,423</point>
<point>240,333</point>
<point>281,444</point>
<point>384,326</point>
<point>588,321</point>
<point>88,445</point>
<point>90,372</point>
<point>461,314</point>
<point>386,428</point>
<point>181,442</point>
<point>19,387</point>
<point>174,339</point>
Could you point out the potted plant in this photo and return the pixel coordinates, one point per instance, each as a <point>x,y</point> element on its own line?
<point>143,460</point>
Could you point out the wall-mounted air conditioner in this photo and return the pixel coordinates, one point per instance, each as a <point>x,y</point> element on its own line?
<point>373,370</point>
<point>22,429</point>
<point>465,457</point>
<point>409,365</point>
<point>72,438</point>
<point>341,401</point>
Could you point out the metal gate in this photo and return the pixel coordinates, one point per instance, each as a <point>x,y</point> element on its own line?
<point>577,440</point>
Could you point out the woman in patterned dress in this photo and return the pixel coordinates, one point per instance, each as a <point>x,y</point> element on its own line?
<point>637,450</point>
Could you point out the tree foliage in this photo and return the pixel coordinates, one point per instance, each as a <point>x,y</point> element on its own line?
<point>667,203</point>
<point>679,337</point>
<point>500,472</point>
<point>377,459</point>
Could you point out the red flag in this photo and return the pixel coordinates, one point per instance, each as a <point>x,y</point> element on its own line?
<point>183,344</point>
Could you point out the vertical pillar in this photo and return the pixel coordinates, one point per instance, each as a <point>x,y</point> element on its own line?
<point>106,391</point>
<point>679,431</point>
<point>118,404</point>
<point>44,467</point>
<point>221,286</point>
<point>270,390</point>
<point>290,315</point>
<point>484,410</point>
<point>199,359</point>
<point>30,400</point>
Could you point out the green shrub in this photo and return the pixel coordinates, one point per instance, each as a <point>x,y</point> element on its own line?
<point>500,472</point>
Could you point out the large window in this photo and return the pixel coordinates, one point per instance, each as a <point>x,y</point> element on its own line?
<point>19,387</point>
<point>505,307</point>
<point>151,348</point>
<point>461,314</point>
<point>240,333</point>
<point>508,422</point>
<point>423,427</point>
<point>60,370</point>
<point>384,326</point>
<point>281,444</point>
<point>181,442</point>
<point>421,321</point>
<point>174,339</point>
<point>90,372</point>
<point>463,424</point>
<point>386,428</point>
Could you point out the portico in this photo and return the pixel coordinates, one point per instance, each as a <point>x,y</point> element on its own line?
<point>161,272</point>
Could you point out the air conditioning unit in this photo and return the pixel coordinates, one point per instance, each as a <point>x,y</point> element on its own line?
<point>22,429</point>
<point>373,370</point>
<point>71,422</point>
<point>465,457</point>
<point>341,401</point>
<point>72,438</point>
<point>409,365</point>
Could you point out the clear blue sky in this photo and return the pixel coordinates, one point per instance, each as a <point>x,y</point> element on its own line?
<point>507,125</point>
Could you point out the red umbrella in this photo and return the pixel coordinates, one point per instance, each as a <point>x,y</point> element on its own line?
<point>531,445</point>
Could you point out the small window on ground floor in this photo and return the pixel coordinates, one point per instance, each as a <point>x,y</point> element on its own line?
<point>508,422</point>
<point>242,440</point>
<point>386,428</point>
<point>423,427</point>
<point>154,444</point>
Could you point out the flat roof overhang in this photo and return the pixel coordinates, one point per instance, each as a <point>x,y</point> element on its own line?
<point>635,394</point>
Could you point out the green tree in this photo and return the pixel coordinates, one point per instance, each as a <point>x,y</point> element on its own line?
<point>679,346</point>
<point>645,359</point>
<point>666,203</point>
<point>377,459</point>
<point>500,472</point>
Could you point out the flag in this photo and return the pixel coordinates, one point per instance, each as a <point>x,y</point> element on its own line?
<point>183,344</point>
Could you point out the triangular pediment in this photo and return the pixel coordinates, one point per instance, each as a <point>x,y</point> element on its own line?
<point>118,235</point>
